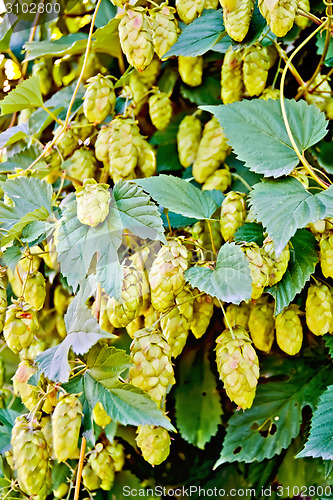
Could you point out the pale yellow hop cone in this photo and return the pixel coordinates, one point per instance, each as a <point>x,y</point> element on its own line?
<point>238,315</point>
<point>302,21</point>
<point>259,266</point>
<point>100,416</point>
<point>232,86</point>
<point>255,69</point>
<point>123,153</point>
<point>261,324</point>
<point>117,453</point>
<point>146,166</point>
<point>237,16</point>
<point>289,331</point>
<point>99,98</point>
<point>220,180</point>
<point>319,309</point>
<point>102,144</point>
<point>191,70</point>
<point>154,443</point>
<point>280,15</point>
<point>66,423</point>
<point>270,93</point>
<point>188,10</point>
<point>165,29</point>
<point>20,325</point>
<point>233,213</point>
<point>93,202</point>
<point>278,265</point>
<point>123,312</point>
<point>90,479</point>
<point>160,110</point>
<point>188,138</point>
<point>203,309</point>
<point>326,254</point>
<point>82,165</point>
<point>29,394</point>
<point>238,366</point>
<point>102,464</point>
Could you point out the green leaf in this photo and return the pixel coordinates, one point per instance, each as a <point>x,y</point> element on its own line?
<point>230,281</point>
<point>106,39</point>
<point>199,36</point>
<point>325,156</point>
<point>329,344</point>
<point>11,256</point>
<point>320,47</point>
<point>285,205</point>
<point>198,405</point>
<point>25,95</point>
<point>179,196</point>
<point>107,362</point>
<point>303,259</point>
<point>320,441</point>
<point>275,418</point>
<point>40,214</point>
<point>23,159</point>
<point>251,231</point>
<point>256,131</point>
<point>72,44</point>
<point>14,134</point>
<point>207,93</point>
<point>105,12</point>
<point>7,421</point>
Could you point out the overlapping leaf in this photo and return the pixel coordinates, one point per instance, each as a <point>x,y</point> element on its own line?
<point>26,95</point>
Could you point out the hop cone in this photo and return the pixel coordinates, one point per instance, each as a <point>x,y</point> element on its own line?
<point>188,10</point>
<point>320,227</point>
<point>238,366</point>
<point>117,453</point>
<point>67,142</point>
<point>165,29</point>
<point>203,308</point>
<point>134,326</point>
<point>3,304</point>
<point>141,82</point>
<point>29,394</point>
<point>93,202</point>
<point>188,138</point>
<point>82,165</point>
<point>289,331</point>
<point>20,325</point>
<point>102,464</point>
<point>34,291</point>
<point>302,21</point>
<point>61,491</point>
<point>61,299</point>
<point>255,69</point>
<point>122,313</point>
<point>220,180</point>
<point>66,423</point>
<point>160,110</point>
<point>176,325</point>
<point>238,315</point>
<point>200,231</point>
<point>90,479</point>
<point>141,260</point>
<point>237,16</point>
<point>270,93</point>
<point>280,15</point>
<point>261,325</point>
<point>123,154</point>
<point>51,398</point>
<point>233,213</point>
<point>136,38</point>
<point>232,86</point>
<point>150,316</point>
<point>146,163</point>
<point>154,443</point>
<point>326,254</point>
<point>166,276</point>
<point>50,256</point>
<point>31,458</point>
<point>213,150</point>
<point>259,266</point>
<point>190,70</point>
<point>42,71</point>
<point>278,265</point>
<point>99,99</point>
<point>102,144</point>
<point>319,309</point>
<point>152,368</point>
<point>100,416</point>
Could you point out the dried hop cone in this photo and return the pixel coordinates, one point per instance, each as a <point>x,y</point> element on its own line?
<point>232,86</point>
<point>213,150</point>
<point>190,70</point>
<point>160,110</point>
<point>123,153</point>
<point>289,331</point>
<point>233,213</point>
<point>259,266</point>
<point>20,325</point>
<point>82,165</point>
<point>154,443</point>
<point>255,69</point>
<point>238,366</point>
<point>29,394</point>
<point>102,464</point>
<point>99,99</point>
<point>319,309</point>
<point>100,416</point>
<point>3,304</point>
<point>278,265</point>
<point>165,29</point>
<point>31,458</point>
<point>188,10</point>
<point>237,16</point>
<point>136,38</point>
<point>326,254</point>
<point>66,423</point>
<point>152,369</point>
<point>34,291</point>
<point>188,138</point>
<point>122,313</point>
<point>203,308</point>
<point>280,15</point>
<point>238,315</point>
<point>93,202</point>
<point>166,275</point>
<point>261,325</point>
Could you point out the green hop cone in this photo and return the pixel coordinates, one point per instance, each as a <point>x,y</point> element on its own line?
<point>42,70</point>
<point>141,82</point>
<point>67,142</point>
<point>99,99</point>
<point>34,292</point>
<point>134,326</point>
<point>302,21</point>
<point>66,423</point>
<point>166,275</point>
<point>154,443</point>
<point>100,416</point>
<point>237,16</point>
<point>165,29</point>
<point>93,202</point>
<point>29,394</point>
<point>200,232</point>
<point>50,255</point>
<point>203,308</point>
<point>326,254</point>
<point>238,366</point>
<point>176,324</point>
<point>150,316</point>
<point>3,304</point>
<point>238,315</point>
<point>102,464</point>
<point>102,144</point>
<point>232,86</point>
<point>122,313</point>
<point>280,15</point>
<point>255,69</point>
<point>219,180</point>
<point>61,299</point>
<point>61,491</point>
<point>103,321</point>
<point>160,110</point>
<point>213,150</point>
<point>90,479</point>
<point>20,325</point>
<point>319,228</point>
<point>123,153</point>
<point>117,453</point>
<point>141,260</point>
<point>278,265</point>
<point>31,458</point>
<point>211,4</point>
<point>188,138</point>
<point>146,166</point>
<point>152,369</point>
<point>289,331</point>
<point>233,213</point>
<point>82,165</point>
<point>270,93</point>
<point>261,325</point>
<point>188,10</point>
<point>191,70</point>
<point>136,38</point>
<point>319,309</point>
<point>259,266</point>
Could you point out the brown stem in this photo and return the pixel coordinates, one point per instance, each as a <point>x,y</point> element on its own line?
<point>80,467</point>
